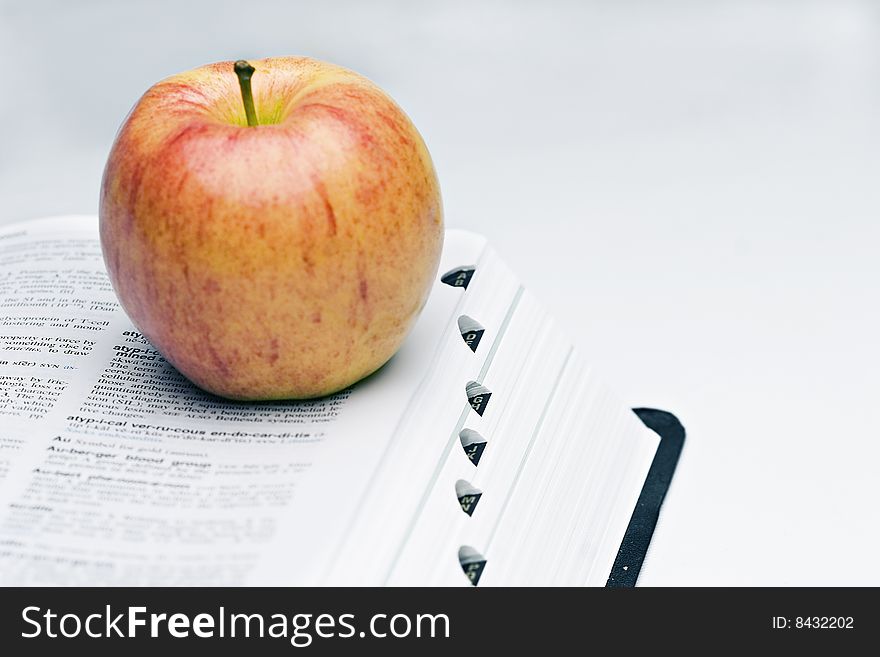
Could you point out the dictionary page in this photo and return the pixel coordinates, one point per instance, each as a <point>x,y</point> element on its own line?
<point>115,470</point>
<point>427,434</point>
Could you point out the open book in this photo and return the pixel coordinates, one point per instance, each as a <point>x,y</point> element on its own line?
<point>484,452</point>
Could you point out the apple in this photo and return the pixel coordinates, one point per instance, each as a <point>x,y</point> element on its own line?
<point>274,230</point>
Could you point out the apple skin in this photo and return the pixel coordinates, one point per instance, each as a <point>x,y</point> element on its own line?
<point>282,261</point>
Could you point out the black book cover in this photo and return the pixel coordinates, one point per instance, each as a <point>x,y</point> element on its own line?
<point>644,518</point>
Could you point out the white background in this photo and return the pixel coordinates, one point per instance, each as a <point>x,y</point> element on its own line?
<point>691,187</point>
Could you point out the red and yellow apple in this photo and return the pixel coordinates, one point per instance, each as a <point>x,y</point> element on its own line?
<point>282,260</point>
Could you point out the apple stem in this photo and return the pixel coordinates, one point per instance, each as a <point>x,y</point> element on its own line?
<point>244,71</point>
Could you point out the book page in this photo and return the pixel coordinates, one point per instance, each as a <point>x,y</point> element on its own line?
<point>427,436</point>
<point>114,469</point>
